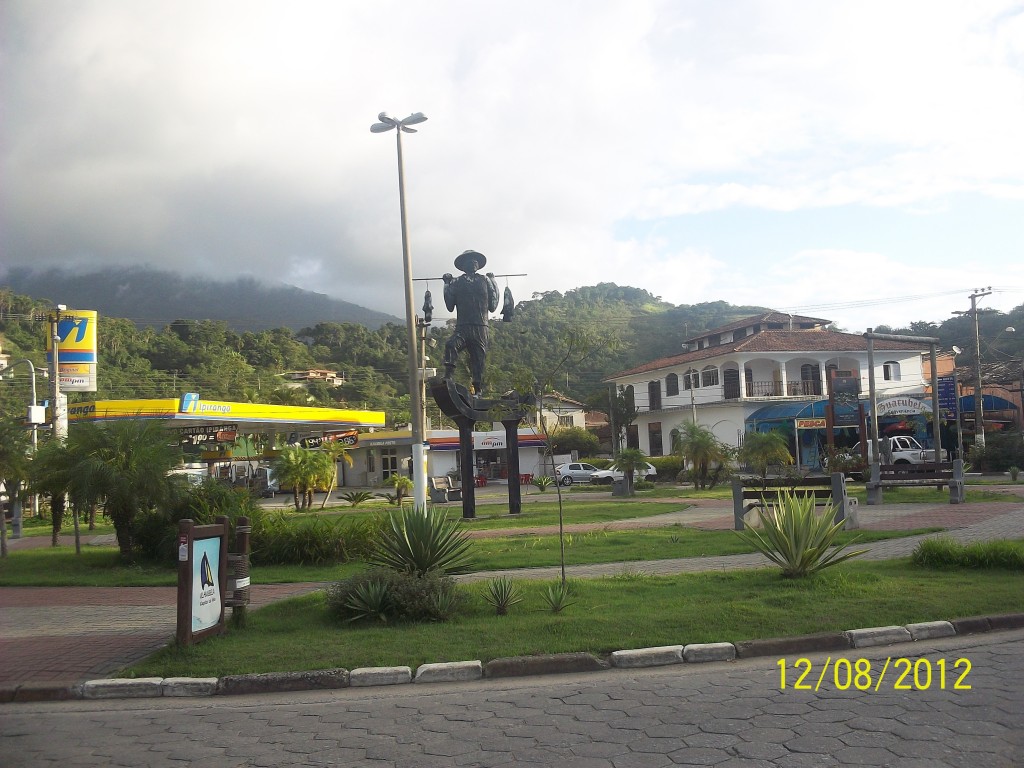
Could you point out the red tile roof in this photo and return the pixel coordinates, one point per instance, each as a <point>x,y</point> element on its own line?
<point>767,317</point>
<point>774,341</point>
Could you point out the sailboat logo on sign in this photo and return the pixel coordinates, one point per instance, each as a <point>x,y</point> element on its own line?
<point>205,573</point>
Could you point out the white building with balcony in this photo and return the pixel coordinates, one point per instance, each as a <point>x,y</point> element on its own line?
<point>726,376</point>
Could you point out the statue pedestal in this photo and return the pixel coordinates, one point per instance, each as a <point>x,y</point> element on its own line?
<point>465,409</point>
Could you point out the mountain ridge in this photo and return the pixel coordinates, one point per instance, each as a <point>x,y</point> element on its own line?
<point>151,297</point>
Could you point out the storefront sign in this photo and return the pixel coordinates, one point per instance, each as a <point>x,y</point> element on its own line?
<point>348,438</point>
<point>844,393</point>
<point>212,433</point>
<point>947,397</point>
<point>902,406</point>
<point>811,424</point>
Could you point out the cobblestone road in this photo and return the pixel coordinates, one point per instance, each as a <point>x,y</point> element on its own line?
<point>722,714</point>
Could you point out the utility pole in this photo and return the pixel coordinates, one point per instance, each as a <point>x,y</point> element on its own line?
<point>979,407</point>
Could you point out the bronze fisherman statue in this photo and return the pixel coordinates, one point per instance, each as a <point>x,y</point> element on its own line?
<point>474,297</point>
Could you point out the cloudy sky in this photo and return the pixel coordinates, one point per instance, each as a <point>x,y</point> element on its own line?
<point>860,161</point>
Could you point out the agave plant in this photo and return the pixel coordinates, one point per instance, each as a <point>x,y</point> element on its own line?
<point>369,600</point>
<point>421,541</point>
<point>355,498</point>
<point>559,596</point>
<point>797,539</point>
<point>543,482</point>
<point>501,594</point>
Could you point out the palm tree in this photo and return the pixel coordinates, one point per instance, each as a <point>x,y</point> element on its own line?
<point>402,484</point>
<point>295,466</point>
<point>335,452</point>
<point>14,462</point>
<point>761,450</point>
<point>698,445</point>
<point>124,466</point>
<point>628,462</point>
<point>48,475</point>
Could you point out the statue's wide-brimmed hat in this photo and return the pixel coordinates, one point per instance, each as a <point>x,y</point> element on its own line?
<point>462,260</point>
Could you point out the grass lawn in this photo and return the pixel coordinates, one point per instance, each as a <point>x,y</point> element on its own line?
<point>606,546</point>
<point>627,611</point>
<point>580,509</point>
<point>100,566</point>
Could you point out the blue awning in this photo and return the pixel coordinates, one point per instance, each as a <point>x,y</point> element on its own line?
<point>796,410</point>
<point>789,411</point>
<point>988,402</point>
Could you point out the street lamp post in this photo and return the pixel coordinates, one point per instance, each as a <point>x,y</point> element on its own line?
<point>959,423</point>
<point>58,407</point>
<point>419,456</point>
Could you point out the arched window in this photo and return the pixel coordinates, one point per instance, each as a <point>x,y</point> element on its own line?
<point>709,376</point>
<point>671,385</point>
<point>891,370</point>
<point>691,379</point>
<point>654,395</point>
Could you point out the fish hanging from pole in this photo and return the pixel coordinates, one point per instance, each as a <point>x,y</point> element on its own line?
<point>428,308</point>
<point>508,306</point>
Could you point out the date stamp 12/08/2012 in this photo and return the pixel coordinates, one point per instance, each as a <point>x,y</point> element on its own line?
<point>901,674</point>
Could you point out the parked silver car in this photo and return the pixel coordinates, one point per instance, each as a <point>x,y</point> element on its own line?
<point>608,476</point>
<point>574,472</point>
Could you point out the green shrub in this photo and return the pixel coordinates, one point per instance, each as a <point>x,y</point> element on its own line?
<point>278,540</point>
<point>643,485</point>
<point>668,467</point>
<point>1014,473</point>
<point>501,594</point>
<point>385,595</point>
<point>794,537</point>
<point>420,541</point>
<point>946,552</point>
<point>937,552</point>
<point>155,531</point>
<point>1002,450</point>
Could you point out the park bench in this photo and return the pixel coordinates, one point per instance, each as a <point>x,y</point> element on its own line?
<point>442,490</point>
<point>937,473</point>
<point>749,494</point>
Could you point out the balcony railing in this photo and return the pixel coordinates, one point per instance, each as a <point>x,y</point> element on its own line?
<point>764,388</point>
<point>774,389</point>
<point>797,388</point>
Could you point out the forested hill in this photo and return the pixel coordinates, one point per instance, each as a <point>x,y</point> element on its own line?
<point>575,339</point>
<point>152,297</point>
<point>569,341</point>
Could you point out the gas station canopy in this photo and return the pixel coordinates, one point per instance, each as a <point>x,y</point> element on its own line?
<point>191,411</point>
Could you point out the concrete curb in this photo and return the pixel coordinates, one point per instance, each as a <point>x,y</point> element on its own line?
<point>516,666</point>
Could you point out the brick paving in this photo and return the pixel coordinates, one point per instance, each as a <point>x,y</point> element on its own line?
<point>65,635</point>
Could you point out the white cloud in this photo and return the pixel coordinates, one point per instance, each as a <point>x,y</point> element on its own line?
<point>235,134</point>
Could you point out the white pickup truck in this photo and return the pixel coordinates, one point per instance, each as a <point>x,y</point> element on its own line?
<point>904,449</point>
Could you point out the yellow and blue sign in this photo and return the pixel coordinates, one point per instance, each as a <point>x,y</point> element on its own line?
<point>76,349</point>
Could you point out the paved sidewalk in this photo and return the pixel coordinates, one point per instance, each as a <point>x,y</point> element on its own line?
<point>726,714</point>
<point>59,636</point>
